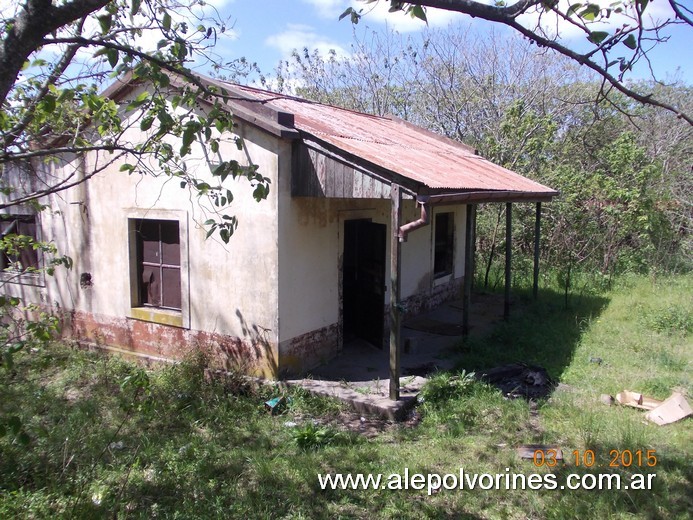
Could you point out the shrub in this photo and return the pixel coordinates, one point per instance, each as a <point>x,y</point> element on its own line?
<point>311,436</point>
<point>669,320</point>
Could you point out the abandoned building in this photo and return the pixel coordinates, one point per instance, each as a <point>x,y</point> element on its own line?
<point>353,200</point>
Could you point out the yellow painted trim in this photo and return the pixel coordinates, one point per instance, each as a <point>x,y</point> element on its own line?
<point>160,316</point>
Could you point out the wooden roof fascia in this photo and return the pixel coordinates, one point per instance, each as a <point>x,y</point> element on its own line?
<point>276,122</point>
<point>257,113</point>
<point>380,174</point>
<point>413,188</point>
<point>478,197</point>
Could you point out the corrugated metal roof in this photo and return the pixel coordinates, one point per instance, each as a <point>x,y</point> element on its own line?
<point>402,148</point>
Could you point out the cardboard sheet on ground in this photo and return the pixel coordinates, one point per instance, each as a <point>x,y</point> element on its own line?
<point>636,400</point>
<point>673,409</point>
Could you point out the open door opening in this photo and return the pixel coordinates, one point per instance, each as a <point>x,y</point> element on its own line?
<point>363,282</point>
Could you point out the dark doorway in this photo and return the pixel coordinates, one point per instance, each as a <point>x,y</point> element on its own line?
<point>363,282</point>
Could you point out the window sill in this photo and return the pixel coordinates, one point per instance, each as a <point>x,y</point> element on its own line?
<point>160,316</point>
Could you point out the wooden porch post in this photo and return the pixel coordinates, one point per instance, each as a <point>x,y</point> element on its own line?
<point>508,257</point>
<point>468,272</point>
<point>537,236</point>
<point>395,272</point>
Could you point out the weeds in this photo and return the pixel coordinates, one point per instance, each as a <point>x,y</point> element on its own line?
<point>108,439</point>
<point>311,436</point>
<point>669,320</point>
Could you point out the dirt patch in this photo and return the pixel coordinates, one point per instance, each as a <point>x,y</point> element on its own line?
<point>370,426</point>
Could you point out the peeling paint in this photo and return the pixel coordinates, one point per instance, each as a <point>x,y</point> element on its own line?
<point>254,357</point>
<point>309,350</point>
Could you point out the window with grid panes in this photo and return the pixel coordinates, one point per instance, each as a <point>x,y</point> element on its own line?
<point>158,262</point>
<point>17,255</point>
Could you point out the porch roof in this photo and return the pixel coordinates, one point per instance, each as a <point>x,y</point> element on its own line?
<point>422,161</point>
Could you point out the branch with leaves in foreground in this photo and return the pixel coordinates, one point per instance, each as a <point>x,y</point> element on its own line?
<point>617,37</point>
<point>56,60</point>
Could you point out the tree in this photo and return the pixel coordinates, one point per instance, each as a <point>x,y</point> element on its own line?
<point>624,180</point>
<point>618,35</point>
<point>56,58</point>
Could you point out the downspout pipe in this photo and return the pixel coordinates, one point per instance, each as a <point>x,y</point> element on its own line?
<point>424,220</point>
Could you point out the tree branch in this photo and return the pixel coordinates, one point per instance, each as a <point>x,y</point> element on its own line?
<point>36,19</point>
<point>508,16</point>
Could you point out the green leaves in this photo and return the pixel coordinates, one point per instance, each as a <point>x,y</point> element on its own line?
<point>573,9</point>
<point>260,193</point>
<point>105,22</point>
<point>48,103</point>
<point>135,7</point>
<point>590,12</point>
<point>597,37</point>
<point>191,129</point>
<point>630,42</point>
<point>416,11</point>
<point>225,228</point>
<point>166,22</point>
<point>112,55</point>
<point>138,101</point>
<point>413,10</point>
<point>146,123</point>
<point>352,14</point>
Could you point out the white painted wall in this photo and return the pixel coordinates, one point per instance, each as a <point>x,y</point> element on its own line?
<point>231,288</point>
<point>311,242</point>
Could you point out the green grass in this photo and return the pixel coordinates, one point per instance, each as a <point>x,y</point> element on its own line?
<point>109,439</point>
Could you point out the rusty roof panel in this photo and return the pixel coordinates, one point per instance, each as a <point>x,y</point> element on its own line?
<point>401,148</point>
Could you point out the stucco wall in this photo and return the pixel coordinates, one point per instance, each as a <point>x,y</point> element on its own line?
<point>269,301</point>
<point>311,243</point>
<point>229,290</point>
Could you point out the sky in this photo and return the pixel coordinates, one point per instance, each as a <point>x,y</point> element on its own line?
<point>267,31</point>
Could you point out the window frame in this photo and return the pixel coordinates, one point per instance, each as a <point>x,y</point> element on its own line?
<point>137,309</point>
<point>22,276</point>
<point>159,266</point>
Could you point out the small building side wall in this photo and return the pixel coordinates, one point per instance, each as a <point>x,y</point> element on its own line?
<point>230,305</point>
<point>311,242</point>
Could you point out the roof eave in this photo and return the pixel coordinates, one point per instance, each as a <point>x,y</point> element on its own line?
<point>481,196</point>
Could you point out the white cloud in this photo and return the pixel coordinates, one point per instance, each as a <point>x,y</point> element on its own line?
<point>377,13</point>
<point>401,21</point>
<point>298,36</point>
<point>328,8</point>
<point>219,4</point>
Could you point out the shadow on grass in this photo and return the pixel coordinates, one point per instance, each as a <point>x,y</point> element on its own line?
<point>541,332</point>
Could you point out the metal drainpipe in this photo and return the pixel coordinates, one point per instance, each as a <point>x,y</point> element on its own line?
<point>416,224</point>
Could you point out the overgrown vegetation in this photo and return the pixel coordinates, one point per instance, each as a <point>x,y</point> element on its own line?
<point>106,438</point>
<point>622,170</point>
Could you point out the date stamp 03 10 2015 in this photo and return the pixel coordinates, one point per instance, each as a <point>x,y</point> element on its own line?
<point>551,456</point>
